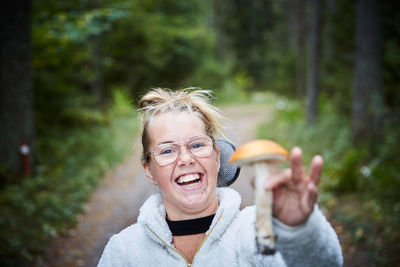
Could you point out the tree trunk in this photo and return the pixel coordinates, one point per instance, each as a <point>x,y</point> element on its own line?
<point>16,95</point>
<point>97,86</point>
<point>300,48</point>
<point>219,7</point>
<point>329,27</point>
<point>313,78</point>
<point>367,87</point>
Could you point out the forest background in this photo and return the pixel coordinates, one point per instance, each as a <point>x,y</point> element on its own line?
<point>72,71</point>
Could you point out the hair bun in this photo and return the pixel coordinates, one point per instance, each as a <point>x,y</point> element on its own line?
<point>154,97</point>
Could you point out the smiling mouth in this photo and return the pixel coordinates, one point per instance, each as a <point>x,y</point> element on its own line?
<point>189,180</point>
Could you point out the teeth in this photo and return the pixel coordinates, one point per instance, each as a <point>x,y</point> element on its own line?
<point>193,184</point>
<point>188,178</point>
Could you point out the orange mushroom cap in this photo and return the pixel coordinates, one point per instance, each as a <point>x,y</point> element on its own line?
<point>259,150</point>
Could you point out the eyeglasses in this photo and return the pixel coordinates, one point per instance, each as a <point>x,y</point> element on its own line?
<point>165,154</point>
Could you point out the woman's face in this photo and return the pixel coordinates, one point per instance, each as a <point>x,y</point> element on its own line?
<point>188,185</point>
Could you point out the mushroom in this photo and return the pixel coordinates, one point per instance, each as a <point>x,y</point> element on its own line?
<point>264,156</point>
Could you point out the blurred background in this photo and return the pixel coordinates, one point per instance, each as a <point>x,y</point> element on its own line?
<point>72,72</point>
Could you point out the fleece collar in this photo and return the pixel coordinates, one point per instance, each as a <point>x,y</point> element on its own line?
<point>152,216</point>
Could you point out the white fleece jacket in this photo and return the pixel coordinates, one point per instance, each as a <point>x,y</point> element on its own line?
<point>230,241</point>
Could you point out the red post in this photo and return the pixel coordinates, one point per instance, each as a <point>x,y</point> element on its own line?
<point>24,149</point>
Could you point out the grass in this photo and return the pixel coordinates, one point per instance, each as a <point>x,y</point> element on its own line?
<point>71,164</point>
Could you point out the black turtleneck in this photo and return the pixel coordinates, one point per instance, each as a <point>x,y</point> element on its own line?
<point>190,227</point>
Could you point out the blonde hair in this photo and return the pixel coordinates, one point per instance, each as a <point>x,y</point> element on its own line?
<point>192,100</point>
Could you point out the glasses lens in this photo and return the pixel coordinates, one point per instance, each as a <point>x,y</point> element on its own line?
<point>200,147</point>
<point>166,154</point>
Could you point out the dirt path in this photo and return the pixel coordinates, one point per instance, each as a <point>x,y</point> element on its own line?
<point>115,203</point>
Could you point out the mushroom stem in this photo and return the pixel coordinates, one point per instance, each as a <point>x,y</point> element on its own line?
<point>264,155</point>
<point>263,200</point>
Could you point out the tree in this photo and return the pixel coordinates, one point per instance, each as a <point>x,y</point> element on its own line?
<point>16,96</point>
<point>97,87</point>
<point>367,87</point>
<point>220,8</point>
<point>313,78</point>
<point>245,26</point>
<point>300,48</point>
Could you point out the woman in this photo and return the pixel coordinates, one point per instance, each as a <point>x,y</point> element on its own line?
<point>191,221</point>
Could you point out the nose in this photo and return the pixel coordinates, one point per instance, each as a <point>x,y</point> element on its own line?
<point>185,157</point>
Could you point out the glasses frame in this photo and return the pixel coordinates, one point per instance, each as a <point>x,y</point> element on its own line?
<point>186,142</point>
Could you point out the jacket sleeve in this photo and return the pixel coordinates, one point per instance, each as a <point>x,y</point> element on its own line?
<point>112,254</point>
<point>313,243</point>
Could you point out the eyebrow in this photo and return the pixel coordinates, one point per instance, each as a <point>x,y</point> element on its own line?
<point>166,142</point>
<point>171,142</point>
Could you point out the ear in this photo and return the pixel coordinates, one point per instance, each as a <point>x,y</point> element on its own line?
<point>147,170</point>
<point>218,156</point>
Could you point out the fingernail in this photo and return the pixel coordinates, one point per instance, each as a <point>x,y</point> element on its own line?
<point>297,149</point>
<point>319,158</point>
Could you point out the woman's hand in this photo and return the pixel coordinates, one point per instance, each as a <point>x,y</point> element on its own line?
<point>295,192</point>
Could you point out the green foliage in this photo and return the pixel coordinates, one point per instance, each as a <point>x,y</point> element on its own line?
<point>349,175</point>
<point>86,48</point>
<point>160,44</point>
<point>346,167</point>
<point>359,186</point>
<point>330,138</point>
<point>372,225</point>
<point>63,40</point>
<point>338,47</point>
<point>385,167</point>
<point>280,76</point>
<point>71,164</point>
<point>77,27</point>
<point>372,168</point>
<point>244,25</point>
<point>233,89</point>
<point>209,74</point>
<point>390,21</point>
<point>256,34</point>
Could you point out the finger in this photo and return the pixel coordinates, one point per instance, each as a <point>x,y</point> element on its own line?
<point>309,198</point>
<point>313,193</point>
<point>296,164</point>
<point>316,169</point>
<point>278,178</point>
